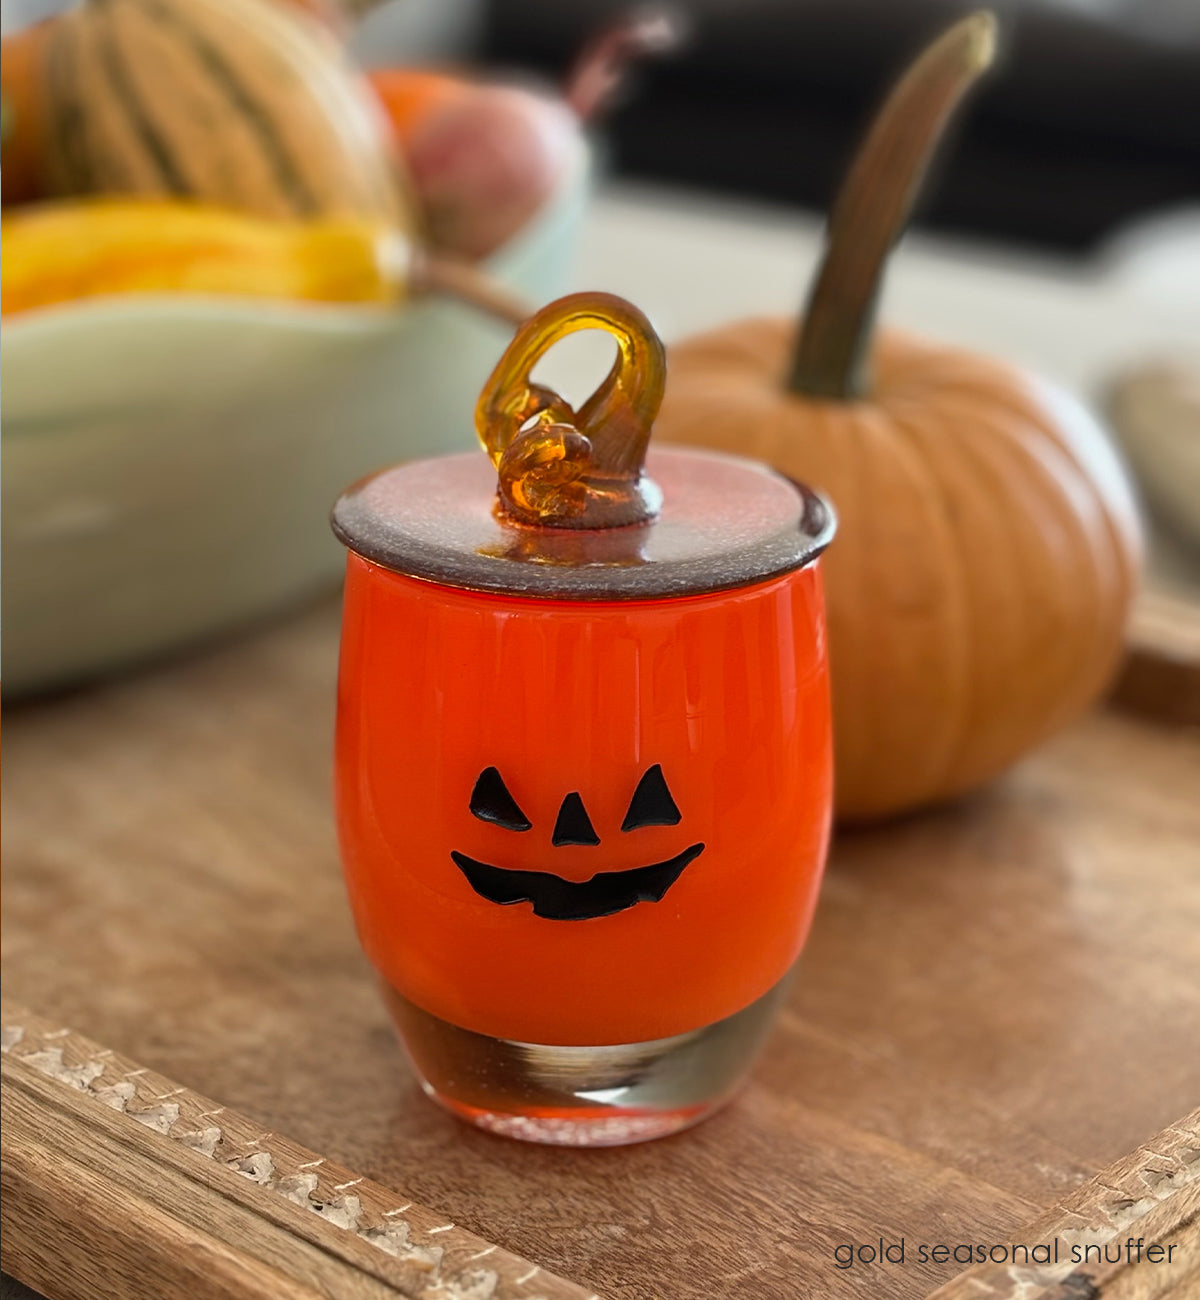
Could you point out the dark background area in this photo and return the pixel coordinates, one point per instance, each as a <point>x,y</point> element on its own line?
<point>1091,119</point>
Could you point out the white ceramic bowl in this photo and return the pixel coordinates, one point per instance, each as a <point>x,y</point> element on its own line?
<point>170,462</point>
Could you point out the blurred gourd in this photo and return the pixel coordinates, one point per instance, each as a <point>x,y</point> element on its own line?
<point>249,104</point>
<point>22,143</point>
<point>53,253</point>
<point>484,158</point>
<point>483,163</point>
<point>56,252</point>
<point>988,546</point>
<point>410,96</point>
<point>329,12</point>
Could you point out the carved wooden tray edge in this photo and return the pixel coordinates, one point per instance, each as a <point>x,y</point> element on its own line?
<point>119,1181</point>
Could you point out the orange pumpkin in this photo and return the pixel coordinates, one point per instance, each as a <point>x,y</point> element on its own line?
<point>989,546</point>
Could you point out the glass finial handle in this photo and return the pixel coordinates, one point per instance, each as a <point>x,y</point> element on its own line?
<point>563,468</point>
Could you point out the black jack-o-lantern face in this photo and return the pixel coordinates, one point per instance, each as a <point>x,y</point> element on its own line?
<point>462,721</point>
<point>553,897</point>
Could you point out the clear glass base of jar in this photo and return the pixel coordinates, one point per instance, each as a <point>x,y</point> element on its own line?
<point>583,1096</point>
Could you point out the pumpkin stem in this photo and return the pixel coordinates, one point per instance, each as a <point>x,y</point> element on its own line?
<point>604,63</point>
<point>439,274</point>
<point>874,205</point>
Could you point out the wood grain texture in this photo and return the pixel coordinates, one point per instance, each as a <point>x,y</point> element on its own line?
<point>1130,1233</point>
<point>1161,673</point>
<point>109,1189</point>
<point>119,1182</point>
<point>997,1000</point>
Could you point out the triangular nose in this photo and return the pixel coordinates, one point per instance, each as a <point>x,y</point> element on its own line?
<point>573,825</point>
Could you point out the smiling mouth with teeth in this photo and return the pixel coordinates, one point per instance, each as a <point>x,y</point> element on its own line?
<point>557,899</point>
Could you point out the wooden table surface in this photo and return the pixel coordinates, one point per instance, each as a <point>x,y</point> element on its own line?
<point>997,999</point>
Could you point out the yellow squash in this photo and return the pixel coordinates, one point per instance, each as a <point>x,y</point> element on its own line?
<point>61,251</point>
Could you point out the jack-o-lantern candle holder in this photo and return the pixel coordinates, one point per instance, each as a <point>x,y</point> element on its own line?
<point>583,752</point>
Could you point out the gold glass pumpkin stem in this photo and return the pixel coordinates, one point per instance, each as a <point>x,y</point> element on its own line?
<point>874,205</point>
<point>563,468</point>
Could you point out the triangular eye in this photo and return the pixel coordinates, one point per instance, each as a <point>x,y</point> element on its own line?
<point>491,802</point>
<point>574,826</point>
<point>651,804</point>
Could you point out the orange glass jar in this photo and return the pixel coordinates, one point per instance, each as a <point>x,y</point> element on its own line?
<point>583,783</point>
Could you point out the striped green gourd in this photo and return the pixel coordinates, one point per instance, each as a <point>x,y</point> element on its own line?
<point>245,103</point>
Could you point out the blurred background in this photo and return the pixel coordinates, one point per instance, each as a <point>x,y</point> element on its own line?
<point>1089,123</point>
<point>1060,230</point>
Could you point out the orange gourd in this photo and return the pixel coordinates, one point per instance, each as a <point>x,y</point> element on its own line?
<point>24,128</point>
<point>411,95</point>
<point>988,547</point>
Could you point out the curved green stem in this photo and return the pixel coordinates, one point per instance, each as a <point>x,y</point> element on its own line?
<point>874,205</point>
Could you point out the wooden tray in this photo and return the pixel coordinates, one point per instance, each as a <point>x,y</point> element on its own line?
<point>998,1004</point>
<point>1161,675</point>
